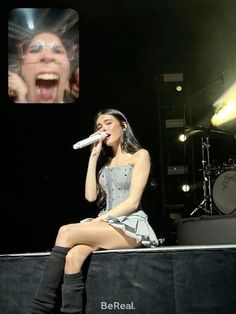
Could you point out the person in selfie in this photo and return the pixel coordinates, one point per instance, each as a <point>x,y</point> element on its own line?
<point>44,70</point>
<point>117,175</point>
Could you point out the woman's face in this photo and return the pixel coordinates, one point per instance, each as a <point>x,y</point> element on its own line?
<point>45,68</point>
<point>111,125</point>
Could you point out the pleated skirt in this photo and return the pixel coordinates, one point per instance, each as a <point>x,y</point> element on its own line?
<point>136,226</point>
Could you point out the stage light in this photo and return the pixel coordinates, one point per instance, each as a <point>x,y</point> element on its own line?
<point>225,107</point>
<point>30,24</point>
<point>185,188</point>
<point>179,88</point>
<point>225,114</point>
<point>182,137</point>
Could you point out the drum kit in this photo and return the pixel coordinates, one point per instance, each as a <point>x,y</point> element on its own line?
<point>219,182</point>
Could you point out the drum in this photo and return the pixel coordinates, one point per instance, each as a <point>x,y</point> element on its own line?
<point>224,191</point>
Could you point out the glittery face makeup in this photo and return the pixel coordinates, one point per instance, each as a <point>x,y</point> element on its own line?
<point>34,47</point>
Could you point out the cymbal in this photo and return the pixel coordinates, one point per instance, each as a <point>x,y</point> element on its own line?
<point>204,131</point>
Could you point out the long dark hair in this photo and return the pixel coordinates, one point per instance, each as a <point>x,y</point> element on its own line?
<point>128,142</point>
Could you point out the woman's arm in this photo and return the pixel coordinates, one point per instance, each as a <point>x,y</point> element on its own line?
<point>91,180</point>
<point>140,174</point>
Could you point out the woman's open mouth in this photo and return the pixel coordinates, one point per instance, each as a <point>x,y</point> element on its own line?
<point>46,87</point>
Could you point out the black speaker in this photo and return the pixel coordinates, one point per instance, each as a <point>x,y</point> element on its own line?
<point>206,230</point>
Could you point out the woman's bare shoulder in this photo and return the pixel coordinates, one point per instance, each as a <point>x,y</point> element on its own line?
<point>142,154</point>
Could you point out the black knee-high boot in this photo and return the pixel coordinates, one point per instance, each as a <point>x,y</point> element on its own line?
<point>45,298</point>
<point>72,293</point>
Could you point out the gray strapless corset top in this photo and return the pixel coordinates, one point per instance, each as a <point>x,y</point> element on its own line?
<point>115,181</point>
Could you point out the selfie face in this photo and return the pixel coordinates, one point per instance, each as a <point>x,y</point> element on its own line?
<point>45,68</point>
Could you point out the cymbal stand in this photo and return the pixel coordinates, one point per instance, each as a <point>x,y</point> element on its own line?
<point>206,203</point>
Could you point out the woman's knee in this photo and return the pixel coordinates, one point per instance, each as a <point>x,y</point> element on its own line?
<point>73,262</point>
<point>76,256</point>
<point>64,235</point>
<point>72,256</point>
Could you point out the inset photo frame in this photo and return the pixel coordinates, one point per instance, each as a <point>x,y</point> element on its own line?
<point>43,55</point>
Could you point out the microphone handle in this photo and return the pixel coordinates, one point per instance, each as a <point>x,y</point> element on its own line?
<point>90,140</point>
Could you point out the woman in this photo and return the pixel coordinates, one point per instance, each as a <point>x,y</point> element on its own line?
<point>44,70</point>
<point>121,224</point>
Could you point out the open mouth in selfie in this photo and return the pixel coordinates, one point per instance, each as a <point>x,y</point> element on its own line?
<point>47,87</point>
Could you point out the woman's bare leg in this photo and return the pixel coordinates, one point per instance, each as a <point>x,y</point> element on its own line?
<point>94,234</point>
<point>76,257</point>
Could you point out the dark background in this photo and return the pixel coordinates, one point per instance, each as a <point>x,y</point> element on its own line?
<point>126,48</point>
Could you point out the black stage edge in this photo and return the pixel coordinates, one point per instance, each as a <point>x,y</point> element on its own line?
<point>206,230</point>
<point>166,280</point>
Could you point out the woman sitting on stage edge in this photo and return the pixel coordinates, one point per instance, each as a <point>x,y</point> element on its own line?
<point>121,224</point>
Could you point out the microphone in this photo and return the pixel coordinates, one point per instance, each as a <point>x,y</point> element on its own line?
<point>91,139</point>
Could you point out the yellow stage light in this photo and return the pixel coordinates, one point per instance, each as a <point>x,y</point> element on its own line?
<point>225,107</point>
